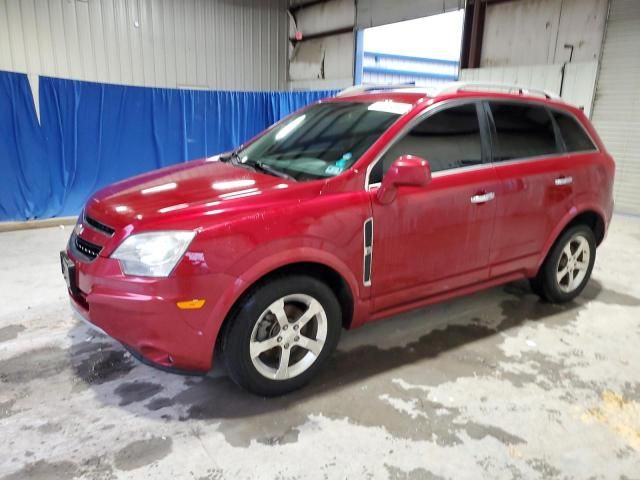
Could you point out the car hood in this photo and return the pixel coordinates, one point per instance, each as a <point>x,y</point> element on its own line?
<point>188,190</point>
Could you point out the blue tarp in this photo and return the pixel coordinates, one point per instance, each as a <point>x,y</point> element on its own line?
<point>93,134</point>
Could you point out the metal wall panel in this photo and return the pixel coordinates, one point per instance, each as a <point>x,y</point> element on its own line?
<point>325,62</point>
<point>212,44</point>
<point>577,88</point>
<point>323,17</point>
<point>580,84</point>
<point>422,72</point>
<point>532,32</point>
<point>409,64</point>
<point>616,113</point>
<point>547,77</point>
<point>371,13</point>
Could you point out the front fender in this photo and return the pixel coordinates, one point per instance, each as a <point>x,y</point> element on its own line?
<point>270,257</point>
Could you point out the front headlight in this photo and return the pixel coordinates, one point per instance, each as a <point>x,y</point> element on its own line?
<point>152,254</point>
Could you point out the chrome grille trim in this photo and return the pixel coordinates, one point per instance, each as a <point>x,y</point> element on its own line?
<point>86,249</point>
<point>98,226</point>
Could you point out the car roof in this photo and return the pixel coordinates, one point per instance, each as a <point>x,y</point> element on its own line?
<point>414,95</point>
<point>382,96</point>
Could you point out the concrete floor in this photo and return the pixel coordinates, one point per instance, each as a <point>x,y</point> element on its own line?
<point>495,385</point>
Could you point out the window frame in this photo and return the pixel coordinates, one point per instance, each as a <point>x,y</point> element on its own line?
<point>560,144</point>
<point>494,133</point>
<point>424,115</point>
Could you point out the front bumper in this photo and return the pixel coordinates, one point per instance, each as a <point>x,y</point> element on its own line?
<point>141,312</point>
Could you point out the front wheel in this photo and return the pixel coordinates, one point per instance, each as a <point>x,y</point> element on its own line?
<point>281,335</point>
<point>567,268</point>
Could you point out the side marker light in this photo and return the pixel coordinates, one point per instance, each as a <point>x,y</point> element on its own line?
<point>191,304</point>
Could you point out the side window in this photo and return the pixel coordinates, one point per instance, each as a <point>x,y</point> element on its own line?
<point>522,131</point>
<point>574,136</point>
<point>447,139</point>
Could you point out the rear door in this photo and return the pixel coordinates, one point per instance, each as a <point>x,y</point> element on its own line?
<point>435,238</point>
<point>536,182</point>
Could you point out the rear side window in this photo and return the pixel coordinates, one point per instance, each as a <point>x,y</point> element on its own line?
<point>574,136</point>
<point>522,131</point>
<point>447,139</point>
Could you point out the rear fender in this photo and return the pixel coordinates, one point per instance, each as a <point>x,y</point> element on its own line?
<point>566,220</point>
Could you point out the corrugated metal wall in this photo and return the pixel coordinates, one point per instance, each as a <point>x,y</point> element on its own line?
<point>209,44</point>
<point>616,113</point>
<point>422,72</point>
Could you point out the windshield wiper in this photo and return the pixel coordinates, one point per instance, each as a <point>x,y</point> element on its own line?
<point>266,168</point>
<point>234,158</point>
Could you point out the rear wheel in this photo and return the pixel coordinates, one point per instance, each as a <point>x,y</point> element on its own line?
<point>281,335</point>
<point>567,268</point>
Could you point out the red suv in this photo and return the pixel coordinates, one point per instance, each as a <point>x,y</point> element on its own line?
<point>350,210</point>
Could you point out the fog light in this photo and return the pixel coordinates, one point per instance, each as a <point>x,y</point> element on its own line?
<point>191,304</point>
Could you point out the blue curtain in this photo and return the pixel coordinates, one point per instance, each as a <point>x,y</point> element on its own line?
<point>93,134</point>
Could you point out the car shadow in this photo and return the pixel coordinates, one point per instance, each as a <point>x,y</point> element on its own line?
<point>215,396</point>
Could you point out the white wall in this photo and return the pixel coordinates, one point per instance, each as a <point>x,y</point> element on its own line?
<point>209,44</point>
<point>545,77</point>
<point>577,88</point>
<point>533,32</point>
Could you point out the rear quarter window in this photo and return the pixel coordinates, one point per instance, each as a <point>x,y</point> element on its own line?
<point>574,136</point>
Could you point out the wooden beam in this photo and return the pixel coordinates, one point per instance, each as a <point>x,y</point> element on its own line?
<point>474,45</point>
<point>466,36</point>
<point>329,33</point>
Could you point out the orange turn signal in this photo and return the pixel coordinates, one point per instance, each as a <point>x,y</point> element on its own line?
<point>191,304</point>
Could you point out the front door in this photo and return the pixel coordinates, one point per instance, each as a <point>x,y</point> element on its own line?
<point>435,238</point>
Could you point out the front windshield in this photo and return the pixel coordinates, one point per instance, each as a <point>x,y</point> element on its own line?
<point>323,140</point>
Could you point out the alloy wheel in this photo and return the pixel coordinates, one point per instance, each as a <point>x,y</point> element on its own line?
<point>573,263</point>
<point>288,337</point>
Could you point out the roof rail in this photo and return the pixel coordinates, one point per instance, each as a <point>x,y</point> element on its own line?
<point>455,87</point>
<point>363,88</point>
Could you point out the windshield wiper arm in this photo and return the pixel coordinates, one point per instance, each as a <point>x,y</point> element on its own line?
<point>233,157</point>
<point>266,168</point>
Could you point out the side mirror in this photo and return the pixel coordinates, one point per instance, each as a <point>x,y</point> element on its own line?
<point>406,170</point>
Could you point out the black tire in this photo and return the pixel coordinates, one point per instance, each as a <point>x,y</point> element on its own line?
<point>239,332</point>
<point>546,283</point>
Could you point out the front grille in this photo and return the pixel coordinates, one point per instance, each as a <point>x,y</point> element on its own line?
<point>88,249</point>
<point>101,227</point>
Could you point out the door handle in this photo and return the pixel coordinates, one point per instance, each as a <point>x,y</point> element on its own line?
<point>560,181</point>
<point>483,197</point>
